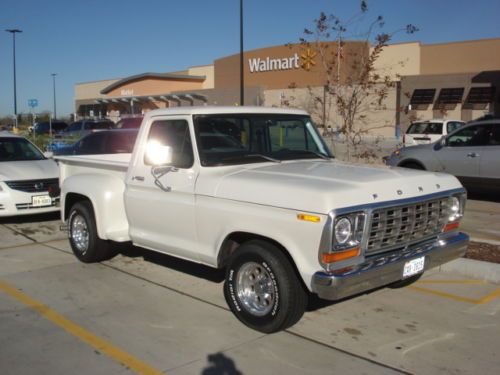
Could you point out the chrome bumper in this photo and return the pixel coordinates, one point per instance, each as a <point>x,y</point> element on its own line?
<point>387,268</point>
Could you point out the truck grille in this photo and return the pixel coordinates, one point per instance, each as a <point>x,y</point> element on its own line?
<point>394,227</point>
<point>33,186</point>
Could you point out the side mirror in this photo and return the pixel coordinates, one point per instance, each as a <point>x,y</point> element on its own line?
<point>440,144</point>
<point>158,154</point>
<point>48,154</point>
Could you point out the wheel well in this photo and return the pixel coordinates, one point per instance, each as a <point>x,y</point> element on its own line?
<point>406,163</point>
<point>70,200</point>
<point>235,239</point>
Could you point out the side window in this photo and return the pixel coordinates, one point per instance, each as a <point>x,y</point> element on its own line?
<point>470,136</point>
<point>494,135</point>
<point>453,125</point>
<point>174,133</point>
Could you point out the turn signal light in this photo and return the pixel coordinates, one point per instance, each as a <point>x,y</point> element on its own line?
<point>341,255</point>
<point>451,226</point>
<point>312,218</point>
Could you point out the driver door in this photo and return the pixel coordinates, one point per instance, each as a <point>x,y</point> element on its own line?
<point>164,219</point>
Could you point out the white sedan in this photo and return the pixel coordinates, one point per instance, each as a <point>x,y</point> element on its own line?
<point>29,182</point>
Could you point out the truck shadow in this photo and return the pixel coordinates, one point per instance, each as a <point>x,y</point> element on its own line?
<point>194,269</point>
<point>35,218</point>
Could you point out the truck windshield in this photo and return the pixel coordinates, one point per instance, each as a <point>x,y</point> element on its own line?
<point>253,138</point>
<point>17,149</point>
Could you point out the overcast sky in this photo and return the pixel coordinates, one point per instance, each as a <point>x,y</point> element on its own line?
<point>101,39</point>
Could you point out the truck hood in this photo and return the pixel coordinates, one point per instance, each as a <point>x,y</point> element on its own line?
<point>28,170</point>
<point>320,186</point>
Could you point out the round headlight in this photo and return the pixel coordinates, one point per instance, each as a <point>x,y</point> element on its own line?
<point>343,230</point>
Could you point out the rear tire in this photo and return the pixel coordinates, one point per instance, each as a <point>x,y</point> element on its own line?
<point>85,243</point>
<point>262,288</point>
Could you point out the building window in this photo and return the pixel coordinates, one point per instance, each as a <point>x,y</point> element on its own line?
<point>480,95</point>
<point>450,95</point>
<point>422,96</point>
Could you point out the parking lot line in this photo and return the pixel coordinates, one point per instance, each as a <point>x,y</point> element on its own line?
<point>89,338</point>
<point>482,282</point>
<point>488,298</point>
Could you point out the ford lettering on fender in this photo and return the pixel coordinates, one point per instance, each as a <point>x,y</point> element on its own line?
<point>256,191</point>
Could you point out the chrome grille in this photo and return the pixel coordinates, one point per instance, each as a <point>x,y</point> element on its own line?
<point>33,186</point>
<point>393,227</point>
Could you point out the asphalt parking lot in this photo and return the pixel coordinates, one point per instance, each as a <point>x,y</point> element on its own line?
<point>148,313</point>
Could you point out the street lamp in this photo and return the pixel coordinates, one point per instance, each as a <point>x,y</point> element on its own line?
<point>13,32</point>
<point>54,88</point>
<point>242,79</point>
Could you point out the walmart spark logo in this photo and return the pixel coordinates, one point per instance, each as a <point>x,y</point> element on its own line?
<point>308,59</point>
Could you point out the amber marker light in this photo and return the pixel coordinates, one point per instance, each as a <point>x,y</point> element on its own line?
<point>311,218</point>
<point>451,226</point>
<point>341,255</point>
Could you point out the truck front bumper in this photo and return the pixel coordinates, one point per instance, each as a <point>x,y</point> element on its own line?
<point>385,269</point>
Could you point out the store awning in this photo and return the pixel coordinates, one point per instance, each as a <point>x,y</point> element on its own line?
<point>177,98</point>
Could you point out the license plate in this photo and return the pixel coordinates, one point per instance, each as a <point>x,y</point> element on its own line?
<point>413,267</point>
<point>41,200</point>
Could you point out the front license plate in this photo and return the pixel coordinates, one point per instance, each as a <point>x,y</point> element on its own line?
<point>41,200</point>
<point>413,267</point>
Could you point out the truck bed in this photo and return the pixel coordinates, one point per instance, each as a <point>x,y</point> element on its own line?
<point>114,164</point>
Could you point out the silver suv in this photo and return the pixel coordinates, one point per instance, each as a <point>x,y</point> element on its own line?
<point>471,153</point>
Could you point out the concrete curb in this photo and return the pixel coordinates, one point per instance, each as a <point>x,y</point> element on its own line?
<point>476,269</point>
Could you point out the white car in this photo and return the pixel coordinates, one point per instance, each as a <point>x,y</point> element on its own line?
<point>426,132</point>
<point>29,182</point>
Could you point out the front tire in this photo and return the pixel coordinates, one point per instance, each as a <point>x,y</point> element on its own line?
<point>262,288</point>
<point>85,243</point>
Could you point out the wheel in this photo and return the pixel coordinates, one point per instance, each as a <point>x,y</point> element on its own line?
<point>262,288</point>
<point>85,243</point>
<point>413,166</point>
<point>405,282</point>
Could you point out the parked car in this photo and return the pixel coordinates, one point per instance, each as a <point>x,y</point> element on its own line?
<point>266,202</point>
<point>116,141</point>
<point>80,128</point>
<point>129,123</point>
<point>425,132</point>
<point>471,153</point>
<point>29,182</point>
<point>45,127</point>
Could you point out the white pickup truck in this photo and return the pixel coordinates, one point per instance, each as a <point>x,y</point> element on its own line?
<point>257,192</point>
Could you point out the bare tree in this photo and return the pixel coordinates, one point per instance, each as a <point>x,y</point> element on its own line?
<point>353,85</point>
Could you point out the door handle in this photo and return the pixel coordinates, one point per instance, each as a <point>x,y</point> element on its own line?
<point>472,155</point>
<point>138,178</point>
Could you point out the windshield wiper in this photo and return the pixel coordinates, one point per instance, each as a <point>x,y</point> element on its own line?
<point>319,154</point>
<point>246,156</point>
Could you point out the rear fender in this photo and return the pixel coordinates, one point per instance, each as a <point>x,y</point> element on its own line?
<point>105,192</point>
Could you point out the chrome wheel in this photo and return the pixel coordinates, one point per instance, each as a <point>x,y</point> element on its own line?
<point>80,233</point>
<point>255,288</point>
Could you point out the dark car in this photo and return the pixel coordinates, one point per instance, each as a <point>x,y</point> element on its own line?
<point>129,123</point>
<point>45,127</point>
<point>83,127</point>
<point>116,141</point>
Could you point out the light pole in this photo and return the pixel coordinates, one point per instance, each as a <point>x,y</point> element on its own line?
<point>242,78</point>
<point>13,32</point>
<point>54,89</point>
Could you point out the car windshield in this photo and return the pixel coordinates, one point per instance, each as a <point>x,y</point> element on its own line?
<point>425,128</point>
<point>252,138</point>
<point>17,149</point>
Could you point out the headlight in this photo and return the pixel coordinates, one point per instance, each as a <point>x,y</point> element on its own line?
<point>343,231</point>
<point>454,209</point>
<point>348,231</point>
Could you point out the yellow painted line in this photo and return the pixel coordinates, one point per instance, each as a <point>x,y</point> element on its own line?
<point>482,282</point>
<point>488,298</point>
<point>89,338</point>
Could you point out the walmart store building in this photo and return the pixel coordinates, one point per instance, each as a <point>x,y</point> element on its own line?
<point>459,80</point>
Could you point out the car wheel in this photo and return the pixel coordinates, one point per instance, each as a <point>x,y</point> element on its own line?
<point>85,243</point>
<point>413,166</point>
<point>262,288</point>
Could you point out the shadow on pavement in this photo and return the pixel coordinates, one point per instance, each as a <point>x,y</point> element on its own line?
<point>484,196</point>
<point>35,218</point>
<point>220,365</point>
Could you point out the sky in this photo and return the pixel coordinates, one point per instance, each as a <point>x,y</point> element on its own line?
<point>93,40</point>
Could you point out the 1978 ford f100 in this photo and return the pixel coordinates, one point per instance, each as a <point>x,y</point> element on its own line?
<point>256,191</point>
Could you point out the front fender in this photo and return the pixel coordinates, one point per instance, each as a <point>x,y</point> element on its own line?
<point>105,192</point>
